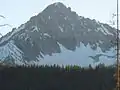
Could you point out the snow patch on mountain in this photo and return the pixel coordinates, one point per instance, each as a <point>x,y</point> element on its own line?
<point>106,30</point>
<point>35,28</point>
<point>61,29</point>
<point>9,36</point>
<point>49,17</point>
<point>46,34</point>
<point>78,57</point>
<point>10,50</point>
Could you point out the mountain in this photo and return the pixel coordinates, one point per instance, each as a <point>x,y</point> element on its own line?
<point>58,35</point>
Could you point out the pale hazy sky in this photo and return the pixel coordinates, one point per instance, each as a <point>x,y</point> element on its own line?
<point>17,12</point>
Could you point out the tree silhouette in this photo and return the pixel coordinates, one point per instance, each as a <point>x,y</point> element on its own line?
<point>54,78</point>
<point>2,25</point>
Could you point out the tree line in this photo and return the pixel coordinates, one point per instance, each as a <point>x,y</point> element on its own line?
<point>57,78</point>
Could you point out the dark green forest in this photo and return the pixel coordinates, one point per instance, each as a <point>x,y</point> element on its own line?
<point>57,78</point>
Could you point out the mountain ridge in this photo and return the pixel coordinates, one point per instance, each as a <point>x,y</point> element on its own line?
<point>54,28</point>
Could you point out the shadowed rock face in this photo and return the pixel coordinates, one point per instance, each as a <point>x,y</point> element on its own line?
<point>57,24</point>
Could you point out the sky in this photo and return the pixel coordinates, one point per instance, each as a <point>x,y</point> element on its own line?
<point>18,12</point>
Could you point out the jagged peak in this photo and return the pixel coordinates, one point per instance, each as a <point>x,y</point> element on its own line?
<point>58,4</point>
